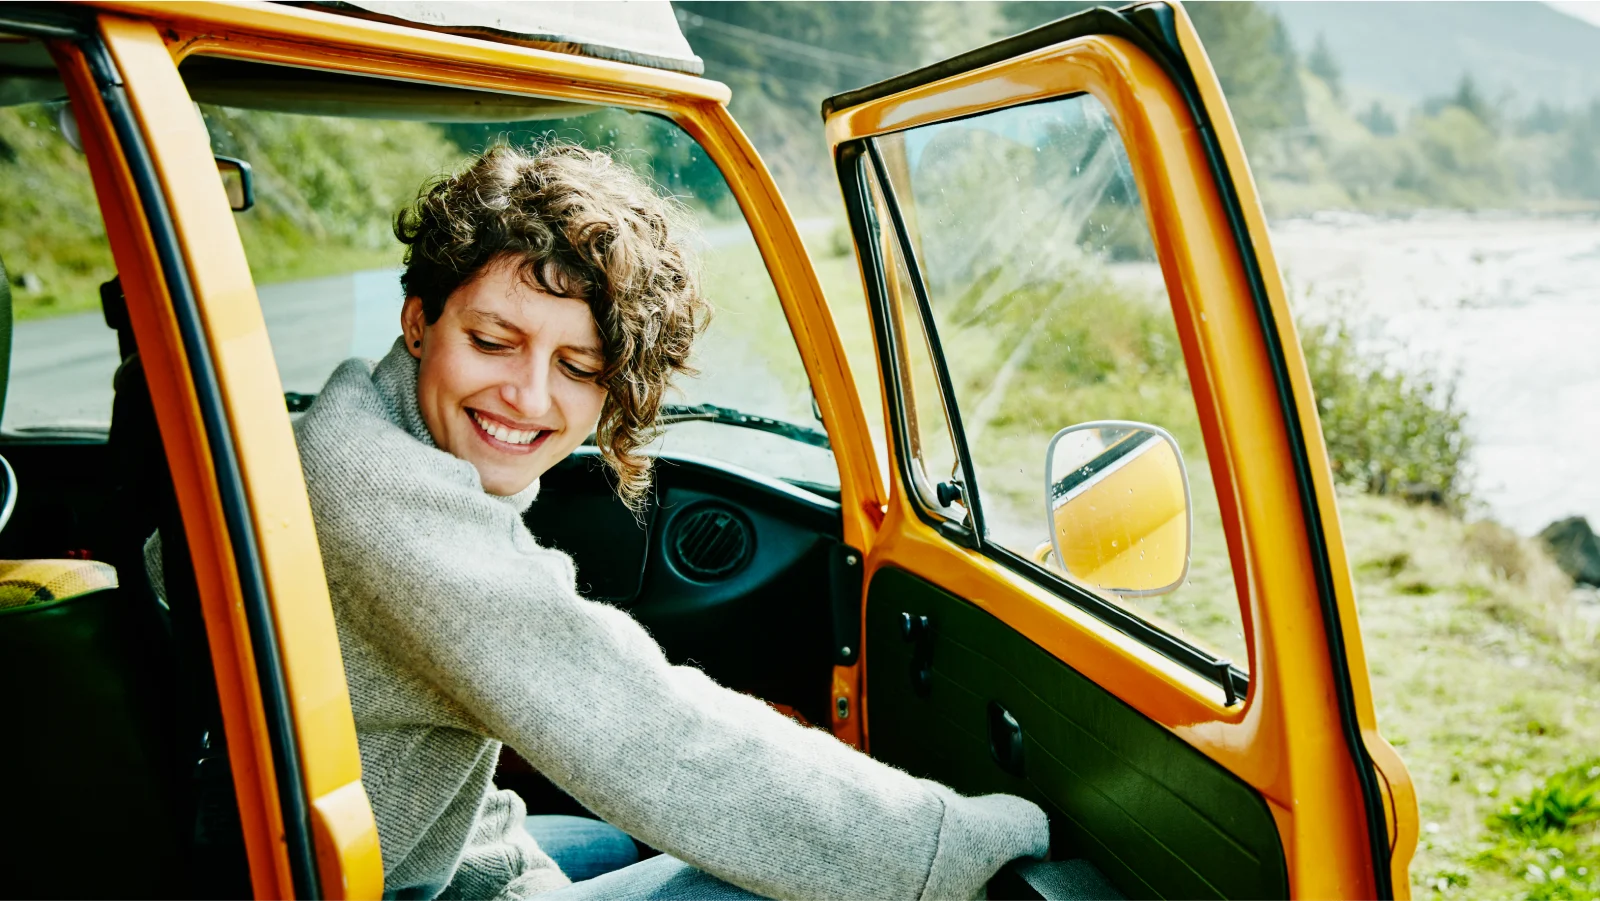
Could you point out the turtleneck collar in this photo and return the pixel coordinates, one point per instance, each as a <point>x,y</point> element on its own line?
<point>395,377</point>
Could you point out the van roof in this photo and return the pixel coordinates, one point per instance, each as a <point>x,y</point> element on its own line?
<point>642,32</point>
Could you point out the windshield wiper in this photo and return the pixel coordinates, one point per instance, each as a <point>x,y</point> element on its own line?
<point>671,414</point>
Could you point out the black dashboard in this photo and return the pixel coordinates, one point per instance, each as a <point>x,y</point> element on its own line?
<point>729,570</point>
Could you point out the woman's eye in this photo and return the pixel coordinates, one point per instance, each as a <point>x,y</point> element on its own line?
<point>487,345</point>
<point>579,372</point>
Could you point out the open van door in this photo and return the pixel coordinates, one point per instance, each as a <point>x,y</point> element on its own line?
<point>1110,576</point>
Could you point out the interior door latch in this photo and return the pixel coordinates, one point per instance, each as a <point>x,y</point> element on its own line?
<point>1005,739</point>
<point>918,631</point>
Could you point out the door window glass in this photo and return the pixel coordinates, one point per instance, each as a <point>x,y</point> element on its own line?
<point>54,253</point>
<point>930,445</point>
<point>1051,311</point>
<point>335,157</point>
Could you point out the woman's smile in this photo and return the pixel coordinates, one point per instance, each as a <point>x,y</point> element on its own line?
<point>507,437</point>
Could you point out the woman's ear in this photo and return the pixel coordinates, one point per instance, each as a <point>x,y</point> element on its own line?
<point>413,325</point>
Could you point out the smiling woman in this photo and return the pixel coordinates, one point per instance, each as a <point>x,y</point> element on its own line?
<point>547,296</point>
<point>336,156</point>
<point>508,380</point>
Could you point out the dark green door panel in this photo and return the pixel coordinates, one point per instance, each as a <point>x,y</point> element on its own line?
<point>1160,819</point>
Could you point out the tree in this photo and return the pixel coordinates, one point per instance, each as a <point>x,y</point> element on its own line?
<point>1545,119</point>
<point>1577,171</point>
<point>1324,66</point>
<point>1378,120</point>
<point>783,59</point>
<point>1248,46</point>
<point>1467,97</point>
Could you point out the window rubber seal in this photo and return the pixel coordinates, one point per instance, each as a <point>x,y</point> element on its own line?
<point>947,392</point>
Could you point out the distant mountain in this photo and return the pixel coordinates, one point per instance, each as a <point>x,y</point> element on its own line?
<point>1407,51</point>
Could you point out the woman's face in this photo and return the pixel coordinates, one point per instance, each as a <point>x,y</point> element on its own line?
<point>507,378</point>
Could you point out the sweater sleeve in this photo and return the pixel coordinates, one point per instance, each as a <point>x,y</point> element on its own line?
<point>501,861</point>
<point>448,580</point>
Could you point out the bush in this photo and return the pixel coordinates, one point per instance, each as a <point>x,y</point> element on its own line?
<point>54,245</point>
<point>1565,802</point>
<point>1388,431</point>
<point>1547,837</point>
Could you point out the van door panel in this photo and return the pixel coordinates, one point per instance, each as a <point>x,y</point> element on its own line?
<point>1157,817</point>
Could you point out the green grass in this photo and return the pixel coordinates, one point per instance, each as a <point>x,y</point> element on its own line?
<point>1485,679</point>
<point>53,241</point>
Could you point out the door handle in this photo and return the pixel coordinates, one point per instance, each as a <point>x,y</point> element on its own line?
<point>917,630</point>
<point>1005,739</point>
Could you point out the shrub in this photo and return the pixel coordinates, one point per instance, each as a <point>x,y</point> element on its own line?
<point>1564,802</point>
<point>1388,431</point>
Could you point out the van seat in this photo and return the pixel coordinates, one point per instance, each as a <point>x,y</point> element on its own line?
<point>27,582</point>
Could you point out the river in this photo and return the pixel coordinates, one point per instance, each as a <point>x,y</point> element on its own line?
<point>1510,305</point>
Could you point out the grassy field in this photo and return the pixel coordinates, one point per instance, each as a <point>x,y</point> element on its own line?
<point>1486,677</point>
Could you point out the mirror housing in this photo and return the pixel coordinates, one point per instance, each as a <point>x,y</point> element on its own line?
<point>1117,507</point>
<point>238,181</point>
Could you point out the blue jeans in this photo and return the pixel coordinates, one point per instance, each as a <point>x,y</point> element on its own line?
<point>603,863</point>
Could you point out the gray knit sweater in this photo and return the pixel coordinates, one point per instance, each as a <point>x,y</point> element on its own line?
<point>460,632</point>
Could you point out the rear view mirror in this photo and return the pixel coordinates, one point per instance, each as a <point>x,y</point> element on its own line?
<point>238,182</point>
<point>1117,504</point>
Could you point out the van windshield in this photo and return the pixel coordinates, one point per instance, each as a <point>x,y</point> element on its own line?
<point>335,157</point>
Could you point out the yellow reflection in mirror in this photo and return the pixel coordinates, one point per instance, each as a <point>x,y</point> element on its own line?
<point>1119,507</point>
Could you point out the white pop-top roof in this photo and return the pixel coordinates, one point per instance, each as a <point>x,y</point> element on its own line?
<point>643,32</point>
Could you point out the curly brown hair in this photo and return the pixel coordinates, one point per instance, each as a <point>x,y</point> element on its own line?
<point>583,226</point>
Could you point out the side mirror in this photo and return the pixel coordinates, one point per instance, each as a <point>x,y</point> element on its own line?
<point>238,182</point>
<point>1117,501</point>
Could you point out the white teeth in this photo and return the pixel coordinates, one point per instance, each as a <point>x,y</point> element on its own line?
<point>509,436</point>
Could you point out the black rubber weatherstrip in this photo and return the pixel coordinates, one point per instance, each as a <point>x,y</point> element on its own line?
<point>930,330</point>
<point>230,484</point>
<point>1100,20</point>
<point>866,228</point>
<point>1150,27</point>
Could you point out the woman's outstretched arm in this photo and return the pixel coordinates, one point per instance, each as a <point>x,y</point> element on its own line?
<point>447,580</point>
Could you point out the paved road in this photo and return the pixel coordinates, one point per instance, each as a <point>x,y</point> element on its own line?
<point>61,368</point>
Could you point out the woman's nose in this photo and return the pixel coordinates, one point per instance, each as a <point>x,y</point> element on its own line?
<point>529,392</point>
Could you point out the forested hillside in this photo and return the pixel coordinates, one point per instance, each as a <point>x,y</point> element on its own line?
<point>1405,52</point>
<point>1311,145</point>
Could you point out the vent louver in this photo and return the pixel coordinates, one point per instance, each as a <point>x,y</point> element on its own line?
<point>710,543</point>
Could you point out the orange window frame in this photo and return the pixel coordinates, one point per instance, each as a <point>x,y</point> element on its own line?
<point>1275,741</point>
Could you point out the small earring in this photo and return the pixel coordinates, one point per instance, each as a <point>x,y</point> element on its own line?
<point>416,344</point>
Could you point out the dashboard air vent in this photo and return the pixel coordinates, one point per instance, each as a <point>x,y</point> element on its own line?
<point>710,542</point>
